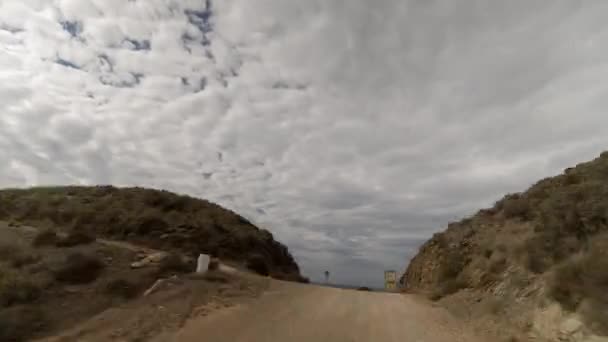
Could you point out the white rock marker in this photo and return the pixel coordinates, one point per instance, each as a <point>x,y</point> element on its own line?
<point>202,263</point>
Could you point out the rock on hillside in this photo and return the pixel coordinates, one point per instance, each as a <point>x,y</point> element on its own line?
<point>546,245</point>
<point>157,219</point>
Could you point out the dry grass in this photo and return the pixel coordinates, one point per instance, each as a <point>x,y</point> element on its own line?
<point>448,287</point>
<point>541,229</point>
<point>584,279</point>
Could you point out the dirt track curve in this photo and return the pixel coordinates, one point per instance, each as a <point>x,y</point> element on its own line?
<point>302,313</point>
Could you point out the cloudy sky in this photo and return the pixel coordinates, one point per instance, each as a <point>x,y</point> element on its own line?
<point>353,130</point>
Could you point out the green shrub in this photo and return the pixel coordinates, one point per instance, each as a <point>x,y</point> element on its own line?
<point>20,324</point>
<point>23,259</point>
<point>17,256</point>
<point>79,268</point>
<point>15,288</point>
<point>45,237</point>
<point>447,288</point>
<point>568,285</point>
<point>517,207</point>
<point>7,251</point>
<point>452,264</point>
<point>257,264</point>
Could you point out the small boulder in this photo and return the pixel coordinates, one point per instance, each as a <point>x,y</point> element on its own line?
<point>150,259</point>
<point>571,330</point>
<point>202,264</point>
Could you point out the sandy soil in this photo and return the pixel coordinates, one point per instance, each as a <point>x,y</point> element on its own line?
<point>295,312</point>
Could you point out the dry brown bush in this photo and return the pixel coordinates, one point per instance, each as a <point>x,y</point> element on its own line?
<point>584,279</point>
<point>448,287</point>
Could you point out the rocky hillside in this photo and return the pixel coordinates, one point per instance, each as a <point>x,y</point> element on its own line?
<point>157,219</point>
<point>546,245</point>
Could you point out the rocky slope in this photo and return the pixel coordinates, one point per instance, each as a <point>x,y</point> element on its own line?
<point>534,254</point>
<point>157,219</point>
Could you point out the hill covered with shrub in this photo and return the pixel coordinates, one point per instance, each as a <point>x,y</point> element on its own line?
<point>548,244</point>
<point>152,218</point>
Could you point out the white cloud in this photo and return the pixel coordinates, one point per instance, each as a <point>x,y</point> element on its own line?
<point>353,130</point>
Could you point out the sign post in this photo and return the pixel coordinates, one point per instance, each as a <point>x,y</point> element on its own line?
<point>390,280</point>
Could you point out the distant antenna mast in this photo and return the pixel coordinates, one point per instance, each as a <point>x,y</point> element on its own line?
<point>326,277</point>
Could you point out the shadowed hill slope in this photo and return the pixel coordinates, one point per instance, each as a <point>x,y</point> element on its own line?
<point>547,244</point>
<point>153,218</point>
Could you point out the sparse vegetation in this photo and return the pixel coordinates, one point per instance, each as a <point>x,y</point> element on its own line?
<point>516,206</point>
<point>152,218</point>
<point>79,268</point>
<point>448,287</point>
<point>38,295</point>
<point>556,231</point>
<point>584,278</point>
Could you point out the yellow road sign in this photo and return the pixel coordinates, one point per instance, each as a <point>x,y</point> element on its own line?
<point>390,280</point>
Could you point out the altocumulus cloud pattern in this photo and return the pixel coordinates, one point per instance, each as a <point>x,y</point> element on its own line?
<point>353,130</point>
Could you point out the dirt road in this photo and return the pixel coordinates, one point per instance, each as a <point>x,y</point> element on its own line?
<point>302,313</point>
